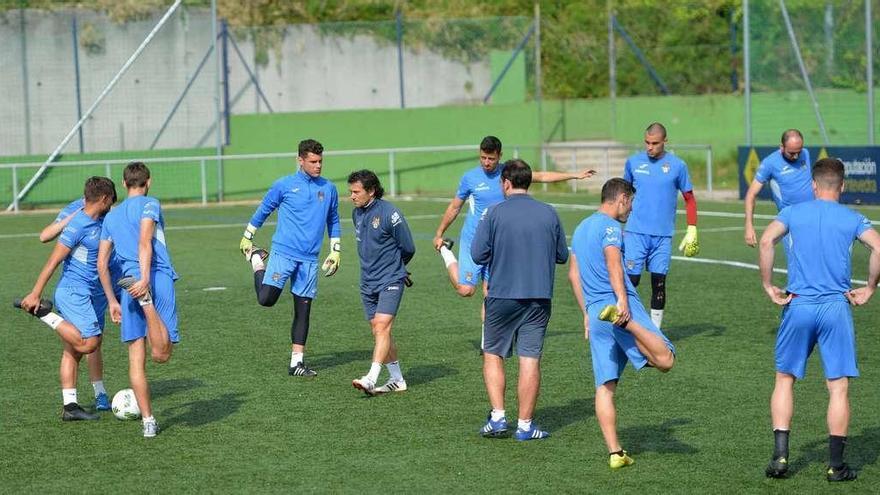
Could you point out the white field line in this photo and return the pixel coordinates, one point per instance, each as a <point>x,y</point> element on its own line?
<point>739,264</point>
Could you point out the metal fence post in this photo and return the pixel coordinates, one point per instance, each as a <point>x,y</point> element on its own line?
<point>869,66</point>
<point>219,180</point>
<point>607,163</point>
<point>543,164</point>
<point>107,170</point>
<point>574,186</point>
<point>516,152</point>
<point>709,170</point>
<point>15,188</point>
<point>392,182</point>
<point>204,181</point>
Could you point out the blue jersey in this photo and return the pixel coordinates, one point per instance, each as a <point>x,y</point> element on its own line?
<point>82,235</point>
<point>588,244</point>
<point>122,226</point>
<point>384,244</point>
<point>306,205</point>
<point>480,190</point>
<point>657,183</point>
<point>113,265</point>
<point>790,182</point>
<point>820,240</point>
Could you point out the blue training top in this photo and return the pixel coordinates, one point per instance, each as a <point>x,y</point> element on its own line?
<point>790,182</point>
<point>588,244</point>
<point>113,265</point>
<point>820,240</point>
<point>657,182</point>
<point>481,190</point>
<point>521,240</point>
<point>384,244</point>
<point>122,226</point>
<point>305,206</point>
<point>82,235</point>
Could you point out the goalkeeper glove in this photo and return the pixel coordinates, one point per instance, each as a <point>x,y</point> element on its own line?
<point>690,244</point>
<point>331,264</point>
<point>247,240</point>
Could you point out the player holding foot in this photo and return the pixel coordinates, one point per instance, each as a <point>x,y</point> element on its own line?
<point>385,246</point>
<point>135,232</point>
<point>94,360</point>
<point>615,322</point>
<point>658,176</point>
<point>307,204</point>
<point>521,240</point>
<point>81,322</point>
<point>816,306</point>
<point>788,170</point>
<point>480,187</point>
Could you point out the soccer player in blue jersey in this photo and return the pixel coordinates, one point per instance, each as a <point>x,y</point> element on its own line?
<point>521,240</point>
<point>307,204</point>
<point>816,306</point>
<point>658,176</point>
<point>94,360</point>
<point>135,232</point>
<point>385,246</point>
<point>597,280</point>
<point>81,322</point>
<point>480,187</point>
<point>788,171</point>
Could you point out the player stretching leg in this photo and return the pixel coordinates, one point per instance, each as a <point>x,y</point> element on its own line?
<point>615,322</point>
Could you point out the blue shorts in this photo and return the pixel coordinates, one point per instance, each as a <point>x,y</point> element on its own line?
<point>522,322</point>
<point>611,346</point>
<point>829,324</point>
<point>303,275</point>
<point>134,323</point>
<point>79,307</point>
<point>386,301</point>
<point>469,273</point>
<point>641,250</point>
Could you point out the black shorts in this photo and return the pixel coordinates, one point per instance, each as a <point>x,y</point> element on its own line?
<point>515,321</point>
<point>385,301</point>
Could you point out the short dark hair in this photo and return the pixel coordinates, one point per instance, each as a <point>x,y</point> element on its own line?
<point>828,173</point>
<point>490,144</point>
<point>656,128</point>
<point>518,173</point>
<point>307,146</point>
<point>790,133</point>
<point>99,187</point>
<point>616,186</point>
<point>369,180</point>
<point>136,174</point>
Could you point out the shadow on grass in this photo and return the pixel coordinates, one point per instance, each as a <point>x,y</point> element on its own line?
<point>420,375</point>
<point>863,450</point>
<point>557,417</point>
<point>162,388</point>
<point>679,332</point>
<point>324,361</point>
<point>656,438</point>
<point>202,412</point>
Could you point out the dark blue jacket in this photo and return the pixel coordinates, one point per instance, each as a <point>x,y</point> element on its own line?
<point>384,244</point>
<point>520,240</point>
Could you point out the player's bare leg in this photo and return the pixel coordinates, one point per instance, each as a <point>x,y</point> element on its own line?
<point>493,376</point>
<point>838,406</point>
<point>67,372</point>
<point>137,375</point>
<point>71,336</point>
<point>782,401</point>
<point>157,333</point>
<point>381,327</point>
<point>651,345</point>
<point>528,386</point>
<point>606,415</point>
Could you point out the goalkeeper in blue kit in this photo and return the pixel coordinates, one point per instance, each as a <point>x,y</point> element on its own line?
<point>307,204</point>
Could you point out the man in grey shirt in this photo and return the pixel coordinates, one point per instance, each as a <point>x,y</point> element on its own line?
<point>520,240</point>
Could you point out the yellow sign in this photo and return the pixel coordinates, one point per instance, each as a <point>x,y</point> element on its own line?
<point>751,166</point>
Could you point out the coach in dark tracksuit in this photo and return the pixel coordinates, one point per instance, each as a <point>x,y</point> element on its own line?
<point>520,240</point>
<point>384,246</point>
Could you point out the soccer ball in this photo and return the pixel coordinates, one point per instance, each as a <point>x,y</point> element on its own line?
<point>125,406</point>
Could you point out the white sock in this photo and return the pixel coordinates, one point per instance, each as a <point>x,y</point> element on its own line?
<point>99,387</point>
<point>394,369</point>
<point>52,319</point>
<point>497,414</point>
<point>448,257</point>
<point>524,424</point>
<point>68,395</point>
<point>295,358</point>
<point>257,263</point>
<point>149,419</point>
<point>375,369</point>
<point>146,299</point>
<point>657,317</point>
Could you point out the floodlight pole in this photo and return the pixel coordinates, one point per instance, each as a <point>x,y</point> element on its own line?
<point>869,51</point>
<point>218,114</point>
<point>747,72</point>
<point>538,92</point>
<point>39,173</point>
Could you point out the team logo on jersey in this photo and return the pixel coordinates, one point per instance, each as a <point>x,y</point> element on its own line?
<point>630,265</point>
<point>320,195</point>
<point>395,219</point>
<point>643,169</point>
<point>376,222</point>
<point>469,276</point>
<point>276,277</point>
<point>665,168</point>
<point>294,190</point>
